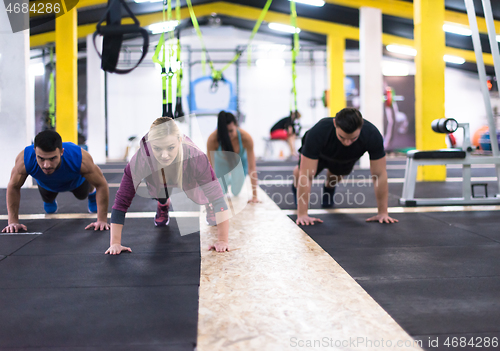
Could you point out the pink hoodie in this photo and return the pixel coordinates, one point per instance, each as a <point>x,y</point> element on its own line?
<point>198,178</point>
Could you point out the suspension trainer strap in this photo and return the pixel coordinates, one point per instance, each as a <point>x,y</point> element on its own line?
<point>255,29</point>
<point>179,71</point>
<point>113,34</point>
<point>248,47</point>
<point>295,51</point>
<point>217,74</point>
<point>156,58</point>
<point>198,31</point>
<point>170,112</point>
<point>52,93</point>
<point>161,49</point>
<point>178,101</point>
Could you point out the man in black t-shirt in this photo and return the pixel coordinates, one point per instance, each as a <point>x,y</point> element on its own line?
<point>284,129</point>
<point>336,144</point>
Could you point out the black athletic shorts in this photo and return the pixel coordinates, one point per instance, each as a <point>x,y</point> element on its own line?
<point>335,168</point>
<point>81,193</point>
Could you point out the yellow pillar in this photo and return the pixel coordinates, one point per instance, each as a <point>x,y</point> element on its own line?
<point>335,52</point>
<point>67,76</point>
<point>428,19</point>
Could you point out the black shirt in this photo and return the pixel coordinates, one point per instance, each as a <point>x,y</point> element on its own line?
<point>321,142</point>
<point>283,123</point>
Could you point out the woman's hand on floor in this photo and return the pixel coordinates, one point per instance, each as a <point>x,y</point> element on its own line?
<point>220,246</point>
<point>117,249</point>
<point>254,200</point>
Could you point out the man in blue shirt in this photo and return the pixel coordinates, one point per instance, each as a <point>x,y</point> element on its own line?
<point>57,167</point>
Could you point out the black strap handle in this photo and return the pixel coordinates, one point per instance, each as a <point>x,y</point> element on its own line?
<point>113,34</point>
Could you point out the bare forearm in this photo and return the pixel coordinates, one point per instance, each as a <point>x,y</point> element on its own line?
<point>209,155</point>
<point>13,201</point>
<point>102,198</point>
<point>116,234</point>
<point>303,194</point>
<point>381,193</point>
<point>255,182</point>
<point>223,231</point>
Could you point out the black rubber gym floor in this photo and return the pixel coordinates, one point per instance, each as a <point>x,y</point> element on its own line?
<point>59,291</point>
<point>437,274</point>
<point>361,194</point>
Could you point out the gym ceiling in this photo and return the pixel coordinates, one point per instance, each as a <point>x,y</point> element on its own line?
<point>397,20</point>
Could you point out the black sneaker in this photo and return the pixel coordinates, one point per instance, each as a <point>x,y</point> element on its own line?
<point>327,198</point>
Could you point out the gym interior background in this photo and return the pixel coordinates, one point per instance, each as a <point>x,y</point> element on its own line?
<point>432,276</point>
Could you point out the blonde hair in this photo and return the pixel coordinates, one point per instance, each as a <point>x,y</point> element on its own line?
<point>163,127</point>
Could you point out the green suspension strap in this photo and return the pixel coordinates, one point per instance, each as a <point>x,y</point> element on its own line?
<point>198,31</point>
<point>162,47</point>
<point>178,102</point>
<point>52,94</point>
<point>170,75</point>
<point>295,53</point>
<point>217,74</point>
<point>156,58</point>
<point>255,29</point>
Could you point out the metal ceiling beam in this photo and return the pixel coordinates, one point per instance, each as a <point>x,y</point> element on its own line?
<point>388,7</point>
<point>405,10</point>
<point>82,4</point>
<point>222,8</point>
<point>394,8</point>
<point>252,13</point>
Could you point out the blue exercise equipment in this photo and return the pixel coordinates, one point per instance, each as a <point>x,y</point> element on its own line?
<point>193,107</point>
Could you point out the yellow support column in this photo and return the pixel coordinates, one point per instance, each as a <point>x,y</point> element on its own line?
<point>67,76</point>
<point>429,80</point>
<point>335,52</point>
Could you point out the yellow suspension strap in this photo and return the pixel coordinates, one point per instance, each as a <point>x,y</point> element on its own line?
<point>162,48</point>
<point>178,101</point>
<point>256,28</point>
<point>295,53</point>
<point>198,31</point>
<point>170,111</point>
<point>217,74</point>
<point>52,93</point>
